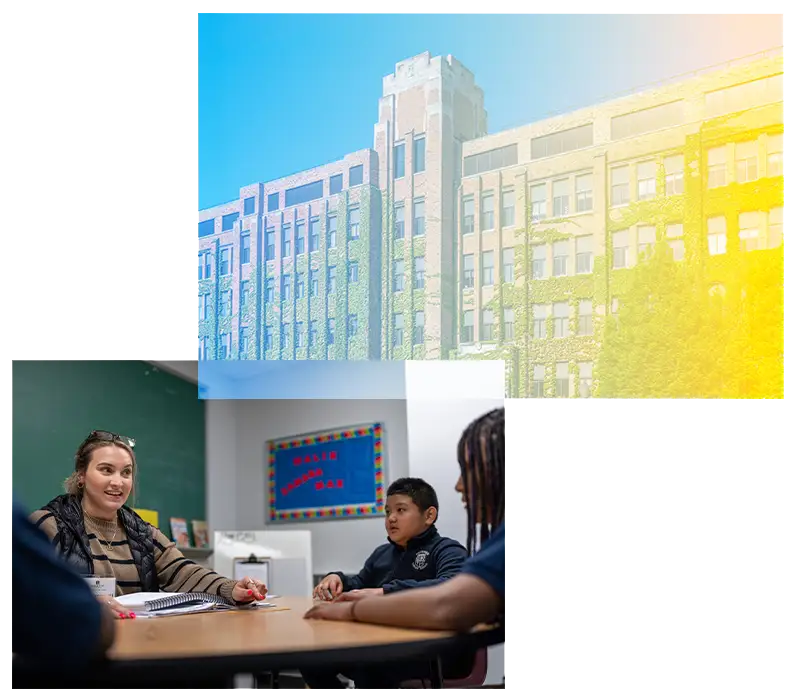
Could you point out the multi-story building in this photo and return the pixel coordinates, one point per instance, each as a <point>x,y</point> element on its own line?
<point>447,242</point>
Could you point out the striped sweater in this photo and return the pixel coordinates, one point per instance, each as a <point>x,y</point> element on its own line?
<point>175,572</point>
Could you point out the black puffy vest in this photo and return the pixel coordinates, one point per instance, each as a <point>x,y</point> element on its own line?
<point>72,542</point>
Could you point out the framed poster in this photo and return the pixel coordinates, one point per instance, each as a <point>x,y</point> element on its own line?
<point>337,473</point>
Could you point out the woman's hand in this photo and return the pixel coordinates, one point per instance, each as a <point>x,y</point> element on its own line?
<point>248,590</point>
<point>343,612</point>
<point>117,609</point>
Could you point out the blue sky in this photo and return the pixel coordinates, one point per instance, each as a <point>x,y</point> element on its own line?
<point>283,93</point>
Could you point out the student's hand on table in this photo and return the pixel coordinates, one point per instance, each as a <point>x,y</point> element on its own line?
<point>343,612</point>
<point>117,609</point>
<point>248,590</point>
<point>329,588</point>
<point>358,594</point>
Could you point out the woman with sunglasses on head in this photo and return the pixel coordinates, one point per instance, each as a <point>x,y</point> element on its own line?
<point>92,528</point>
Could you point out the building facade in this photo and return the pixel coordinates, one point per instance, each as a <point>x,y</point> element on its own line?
<point>442,241</point>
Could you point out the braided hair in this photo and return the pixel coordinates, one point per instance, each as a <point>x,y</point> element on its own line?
<point>481,456</point>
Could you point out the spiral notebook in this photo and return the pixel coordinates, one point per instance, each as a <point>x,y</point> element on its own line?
<point>158,604</point>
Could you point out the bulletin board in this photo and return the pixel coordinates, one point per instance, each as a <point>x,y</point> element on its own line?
<point>337,473</point>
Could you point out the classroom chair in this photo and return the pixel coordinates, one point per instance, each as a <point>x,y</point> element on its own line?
<point>475,679</point>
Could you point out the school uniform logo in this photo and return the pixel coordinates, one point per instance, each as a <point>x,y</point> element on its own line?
<point>421,560</point>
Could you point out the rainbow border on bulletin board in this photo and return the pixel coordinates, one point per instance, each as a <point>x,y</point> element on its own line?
<point>350,511</point>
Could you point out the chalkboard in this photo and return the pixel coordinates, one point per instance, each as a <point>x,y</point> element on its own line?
<point>57,404</point>
<point>331,474</point>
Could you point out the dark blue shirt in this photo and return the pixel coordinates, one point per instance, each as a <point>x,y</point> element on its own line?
<point>489,563</point>
<point>426,560</point>
<point>55,617</point>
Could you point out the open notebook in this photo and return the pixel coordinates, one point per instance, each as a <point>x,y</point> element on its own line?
<point>158,604</point>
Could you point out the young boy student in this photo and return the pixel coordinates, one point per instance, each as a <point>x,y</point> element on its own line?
<point>415,556</point>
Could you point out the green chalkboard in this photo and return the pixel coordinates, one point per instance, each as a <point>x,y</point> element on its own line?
<point>57,404</point>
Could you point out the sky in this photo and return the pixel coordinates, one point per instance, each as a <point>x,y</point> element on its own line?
<point>283,93</point>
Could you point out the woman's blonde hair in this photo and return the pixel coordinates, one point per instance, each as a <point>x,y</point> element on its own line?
<point>73,483</point>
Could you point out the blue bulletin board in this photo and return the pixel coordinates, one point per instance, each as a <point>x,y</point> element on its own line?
<point>331,474</point>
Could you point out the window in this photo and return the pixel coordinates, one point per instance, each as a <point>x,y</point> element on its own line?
<point>398,276</point>
<point>331,331</point>
<point>313,242</point>
<point>224,346</point>
<point>508,323</point>
<point>273,203</point>
<point>287,240</point>
<point>300,236</point>
<point>244,343</point>
<point>397,331</point>
<point>352,272</point>
<point>775,155</point>
<point>228,220</point>
<point>561,198</point>
<point>717,236</point>
<point>286,287</point>
<point>399,221</point>
<point>204,302</point>
<point>269,335</point>
<point>561,318</point>
<point>647,241</point>
<point>583,192</point>
<point>540,320</point>
<point>301,286</point>
<point>332,223</point>
<point>419,154</point>
<point>202,350</point>
<point>675,241</point>
<point>620,244</point>
<point>244,294</point>
<point>354,219</point>
<point>314,283</point>
<point>747,161</point>
<point>487,211</point>
<point>620,187</point>
<point>539,261</point>
<point>335,183</point>
<point>468,327</point>
<point>745,95</point>
<point>560,258</point>
<point>469,271</point>
<point>303,193</point>
<point>244,254</point>
<point>614,306</point>
<point>716,167</point>
<point>561,142</point>
<point>331,287</point>
<point>585,326</point>
<point>562,380</point>
<point>538,202</point>
<point>225,267</point>
<point>749,232</point>
<point>269,249</point>
<point>284,336</point>
<point>419,272</point>
<point>644,120</point>
<point>508,265</point>
<point>249,206</point>
<point>487,324</point>
<point>419,328</point>
<point>206,228</point>
<point>352,325</point>
<point>419,217</point>
<point>313,333</point>
<point>673,170</point>
<point>490,160</point>
<point>508,207</point>
<point>204,265</point>
<point>646,178</point>
<point>356,175</point>
<point>300,334</point>
<point>775,233</point>
<point>584,379</point>
<point>399,160</point>
<point>487,265</point>
<point>584,247</point>
<point>469,214</point>
<point>537,390</point>
<point>269,290</point>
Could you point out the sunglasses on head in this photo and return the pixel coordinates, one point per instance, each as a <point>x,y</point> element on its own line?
<point>111,437</point>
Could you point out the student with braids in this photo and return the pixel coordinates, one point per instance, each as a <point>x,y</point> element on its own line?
<point>477,594</point>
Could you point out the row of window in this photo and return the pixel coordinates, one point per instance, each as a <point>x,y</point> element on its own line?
<point>745,165</point>
<point>563,381</point>
<point>417,158</point>
<point>418,221</point>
